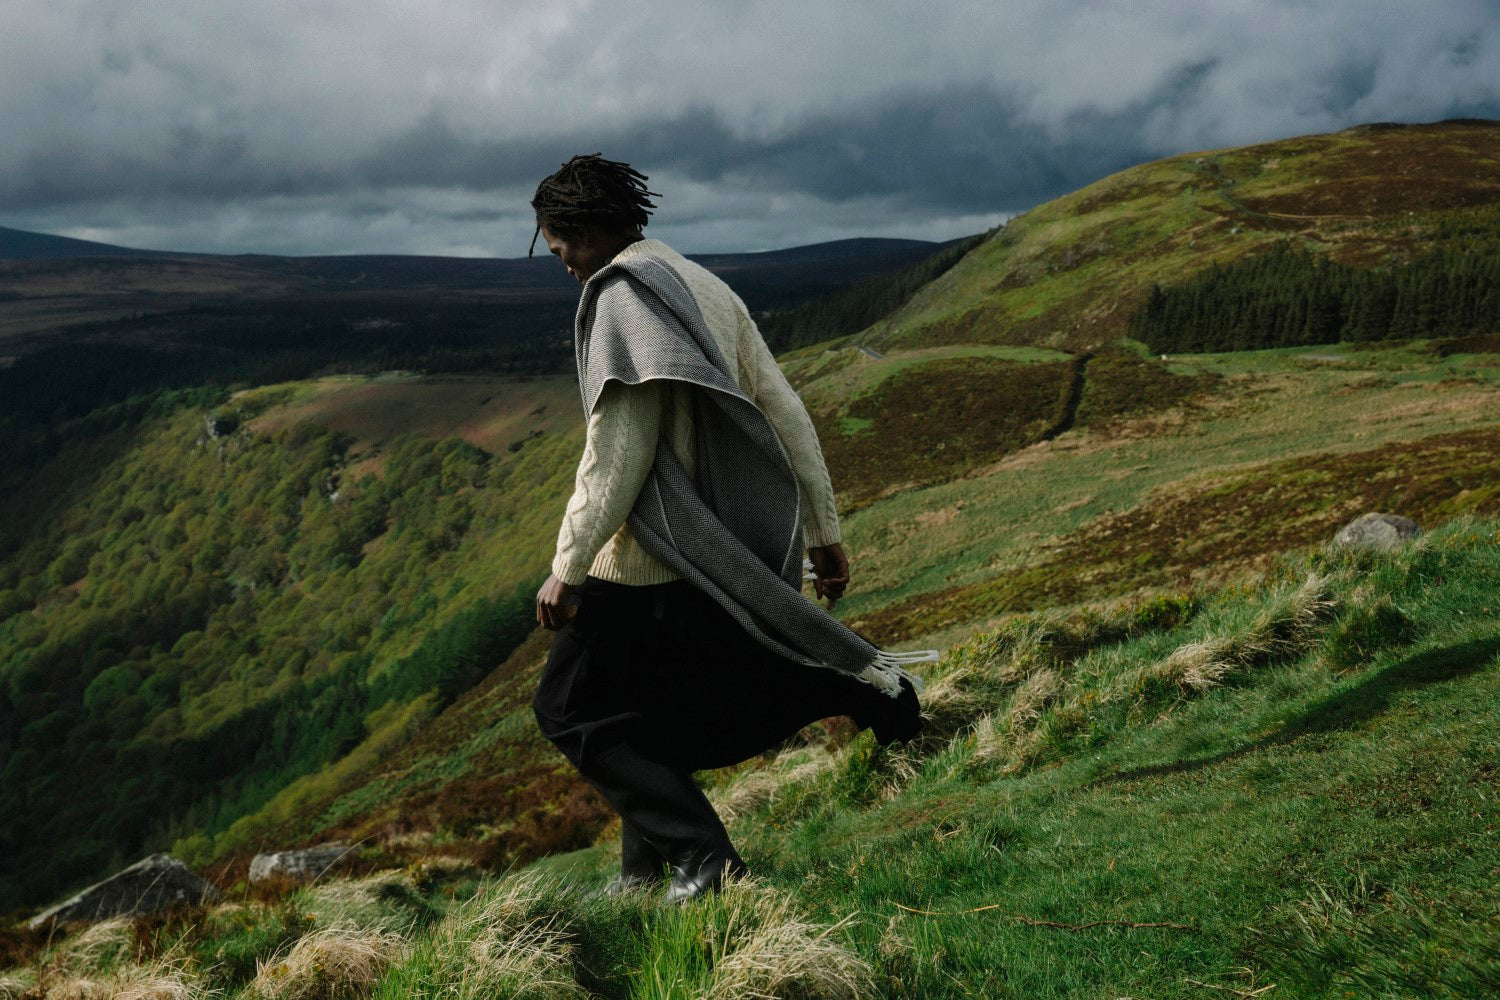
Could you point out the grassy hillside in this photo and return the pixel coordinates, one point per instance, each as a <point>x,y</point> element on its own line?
<point>347,568</point>
<point>1284,785</point>
<point>1070,273</point>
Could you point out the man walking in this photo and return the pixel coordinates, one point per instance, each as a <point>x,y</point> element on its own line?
<point>683,640</point>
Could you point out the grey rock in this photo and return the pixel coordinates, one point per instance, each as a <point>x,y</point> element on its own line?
<point>303,865</point>
<point>153,883</point>
<point>1380,532</point>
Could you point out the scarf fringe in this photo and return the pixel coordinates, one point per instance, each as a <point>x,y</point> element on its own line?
<point>889,669</point>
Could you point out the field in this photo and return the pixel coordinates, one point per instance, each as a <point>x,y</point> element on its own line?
<point>493,413</point>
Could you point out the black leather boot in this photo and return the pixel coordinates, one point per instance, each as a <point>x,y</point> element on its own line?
<point>669,814</point>
<point>702,876</point>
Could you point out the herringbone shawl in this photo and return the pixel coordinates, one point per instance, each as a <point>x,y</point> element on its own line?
<point>735,528</point>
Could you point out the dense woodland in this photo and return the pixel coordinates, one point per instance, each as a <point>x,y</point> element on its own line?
<point>190,622</point>
<point>1292,297</point>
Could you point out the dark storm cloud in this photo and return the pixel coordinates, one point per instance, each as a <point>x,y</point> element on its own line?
<point>958,148</point>
<point>286,127</point>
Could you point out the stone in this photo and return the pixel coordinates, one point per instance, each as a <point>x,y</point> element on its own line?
<point>154,883</point>
<point>1379,532</point>
<point>302,865</point>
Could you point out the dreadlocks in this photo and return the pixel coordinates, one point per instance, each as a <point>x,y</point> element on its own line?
<point>590,191</point>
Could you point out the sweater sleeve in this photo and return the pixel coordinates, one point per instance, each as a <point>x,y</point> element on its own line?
<point>784,408</point>
<point>617,454</point>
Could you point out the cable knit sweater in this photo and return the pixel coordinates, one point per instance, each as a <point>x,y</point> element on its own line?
<point>627,420</point>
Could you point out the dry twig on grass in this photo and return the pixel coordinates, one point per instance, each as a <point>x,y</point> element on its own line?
<point>1244,994</point>
<point>1033,922</point>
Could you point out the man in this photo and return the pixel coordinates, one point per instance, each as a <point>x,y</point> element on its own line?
<point>683,641</point>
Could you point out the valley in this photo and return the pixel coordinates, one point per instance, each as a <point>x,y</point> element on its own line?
<point>281,610</point>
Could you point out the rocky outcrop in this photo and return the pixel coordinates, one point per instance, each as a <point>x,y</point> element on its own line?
<point>1380,532</point>
<point>151,884</point>
<point>303,866</point>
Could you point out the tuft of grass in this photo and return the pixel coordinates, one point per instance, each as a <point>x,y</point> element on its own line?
<point>97,948</point>
<point>156,982</point>
<point>385,901</point>
<point>510,939</point>
<point>1282,627</point>
<point>329,964</point>
<point>234,940</point>
<point>750,942</point>
<point>756,788</point>
<point>17,984</point>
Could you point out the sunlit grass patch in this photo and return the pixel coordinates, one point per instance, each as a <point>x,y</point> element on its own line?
<point>749,941</point>
<point>329,964</point>
<point>512,938</point>
<point>1358,939</point>
<point>384,901</point>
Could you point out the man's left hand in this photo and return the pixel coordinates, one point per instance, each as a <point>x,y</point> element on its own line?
<point>554,604</point>
<point>830,571</point>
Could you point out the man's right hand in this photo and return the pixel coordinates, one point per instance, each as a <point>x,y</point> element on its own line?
<point>830,572</point>
<point>554,607</point>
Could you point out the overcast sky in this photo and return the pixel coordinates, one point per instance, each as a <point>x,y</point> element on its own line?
<point>423,126</point>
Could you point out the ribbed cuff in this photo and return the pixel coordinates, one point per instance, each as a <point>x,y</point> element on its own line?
<point>817,537</point>
<point>568,573</point>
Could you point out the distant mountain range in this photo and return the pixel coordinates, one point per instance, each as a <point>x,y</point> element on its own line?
<point>23,252</point>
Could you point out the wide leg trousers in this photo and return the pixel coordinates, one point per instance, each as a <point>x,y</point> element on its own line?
<point>649,684</point>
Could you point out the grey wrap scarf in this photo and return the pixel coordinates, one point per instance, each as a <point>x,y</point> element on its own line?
<point>734,529</point>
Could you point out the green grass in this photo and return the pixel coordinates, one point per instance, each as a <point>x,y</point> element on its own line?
<point>1020,514</point>
<point>1289,781</point>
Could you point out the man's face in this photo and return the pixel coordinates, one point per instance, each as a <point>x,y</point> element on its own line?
<point>582,254</point>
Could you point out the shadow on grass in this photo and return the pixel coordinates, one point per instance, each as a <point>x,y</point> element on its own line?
<point>1349,708</point>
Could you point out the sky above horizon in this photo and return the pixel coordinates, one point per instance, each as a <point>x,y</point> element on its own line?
<point>397,126</point>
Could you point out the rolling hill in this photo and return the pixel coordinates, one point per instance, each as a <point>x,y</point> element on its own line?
<point>1005,455</point>
<point>19,244</point>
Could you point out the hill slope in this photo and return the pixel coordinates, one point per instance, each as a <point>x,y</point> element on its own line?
<point>1068,274</point>
<point>980,480</point>
<point>1282,785</point>
<point>18,244</point>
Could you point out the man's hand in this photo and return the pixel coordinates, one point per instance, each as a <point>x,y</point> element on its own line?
<point>554,607</point>
<point>831,572</point>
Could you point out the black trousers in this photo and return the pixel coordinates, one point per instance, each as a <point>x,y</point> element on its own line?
<point>649,684</point>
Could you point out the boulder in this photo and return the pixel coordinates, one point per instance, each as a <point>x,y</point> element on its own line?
<point>302,865</point>
<point>1380,532</point>
<point>151,884</point>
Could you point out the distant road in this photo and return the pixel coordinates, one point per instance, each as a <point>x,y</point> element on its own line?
<point>871,353</point>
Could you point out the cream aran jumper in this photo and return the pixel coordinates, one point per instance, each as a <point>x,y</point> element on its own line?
<point>627,420</point>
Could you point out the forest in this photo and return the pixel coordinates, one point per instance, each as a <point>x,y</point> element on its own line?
<point>1292,297</point>
<point>196,620</point>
